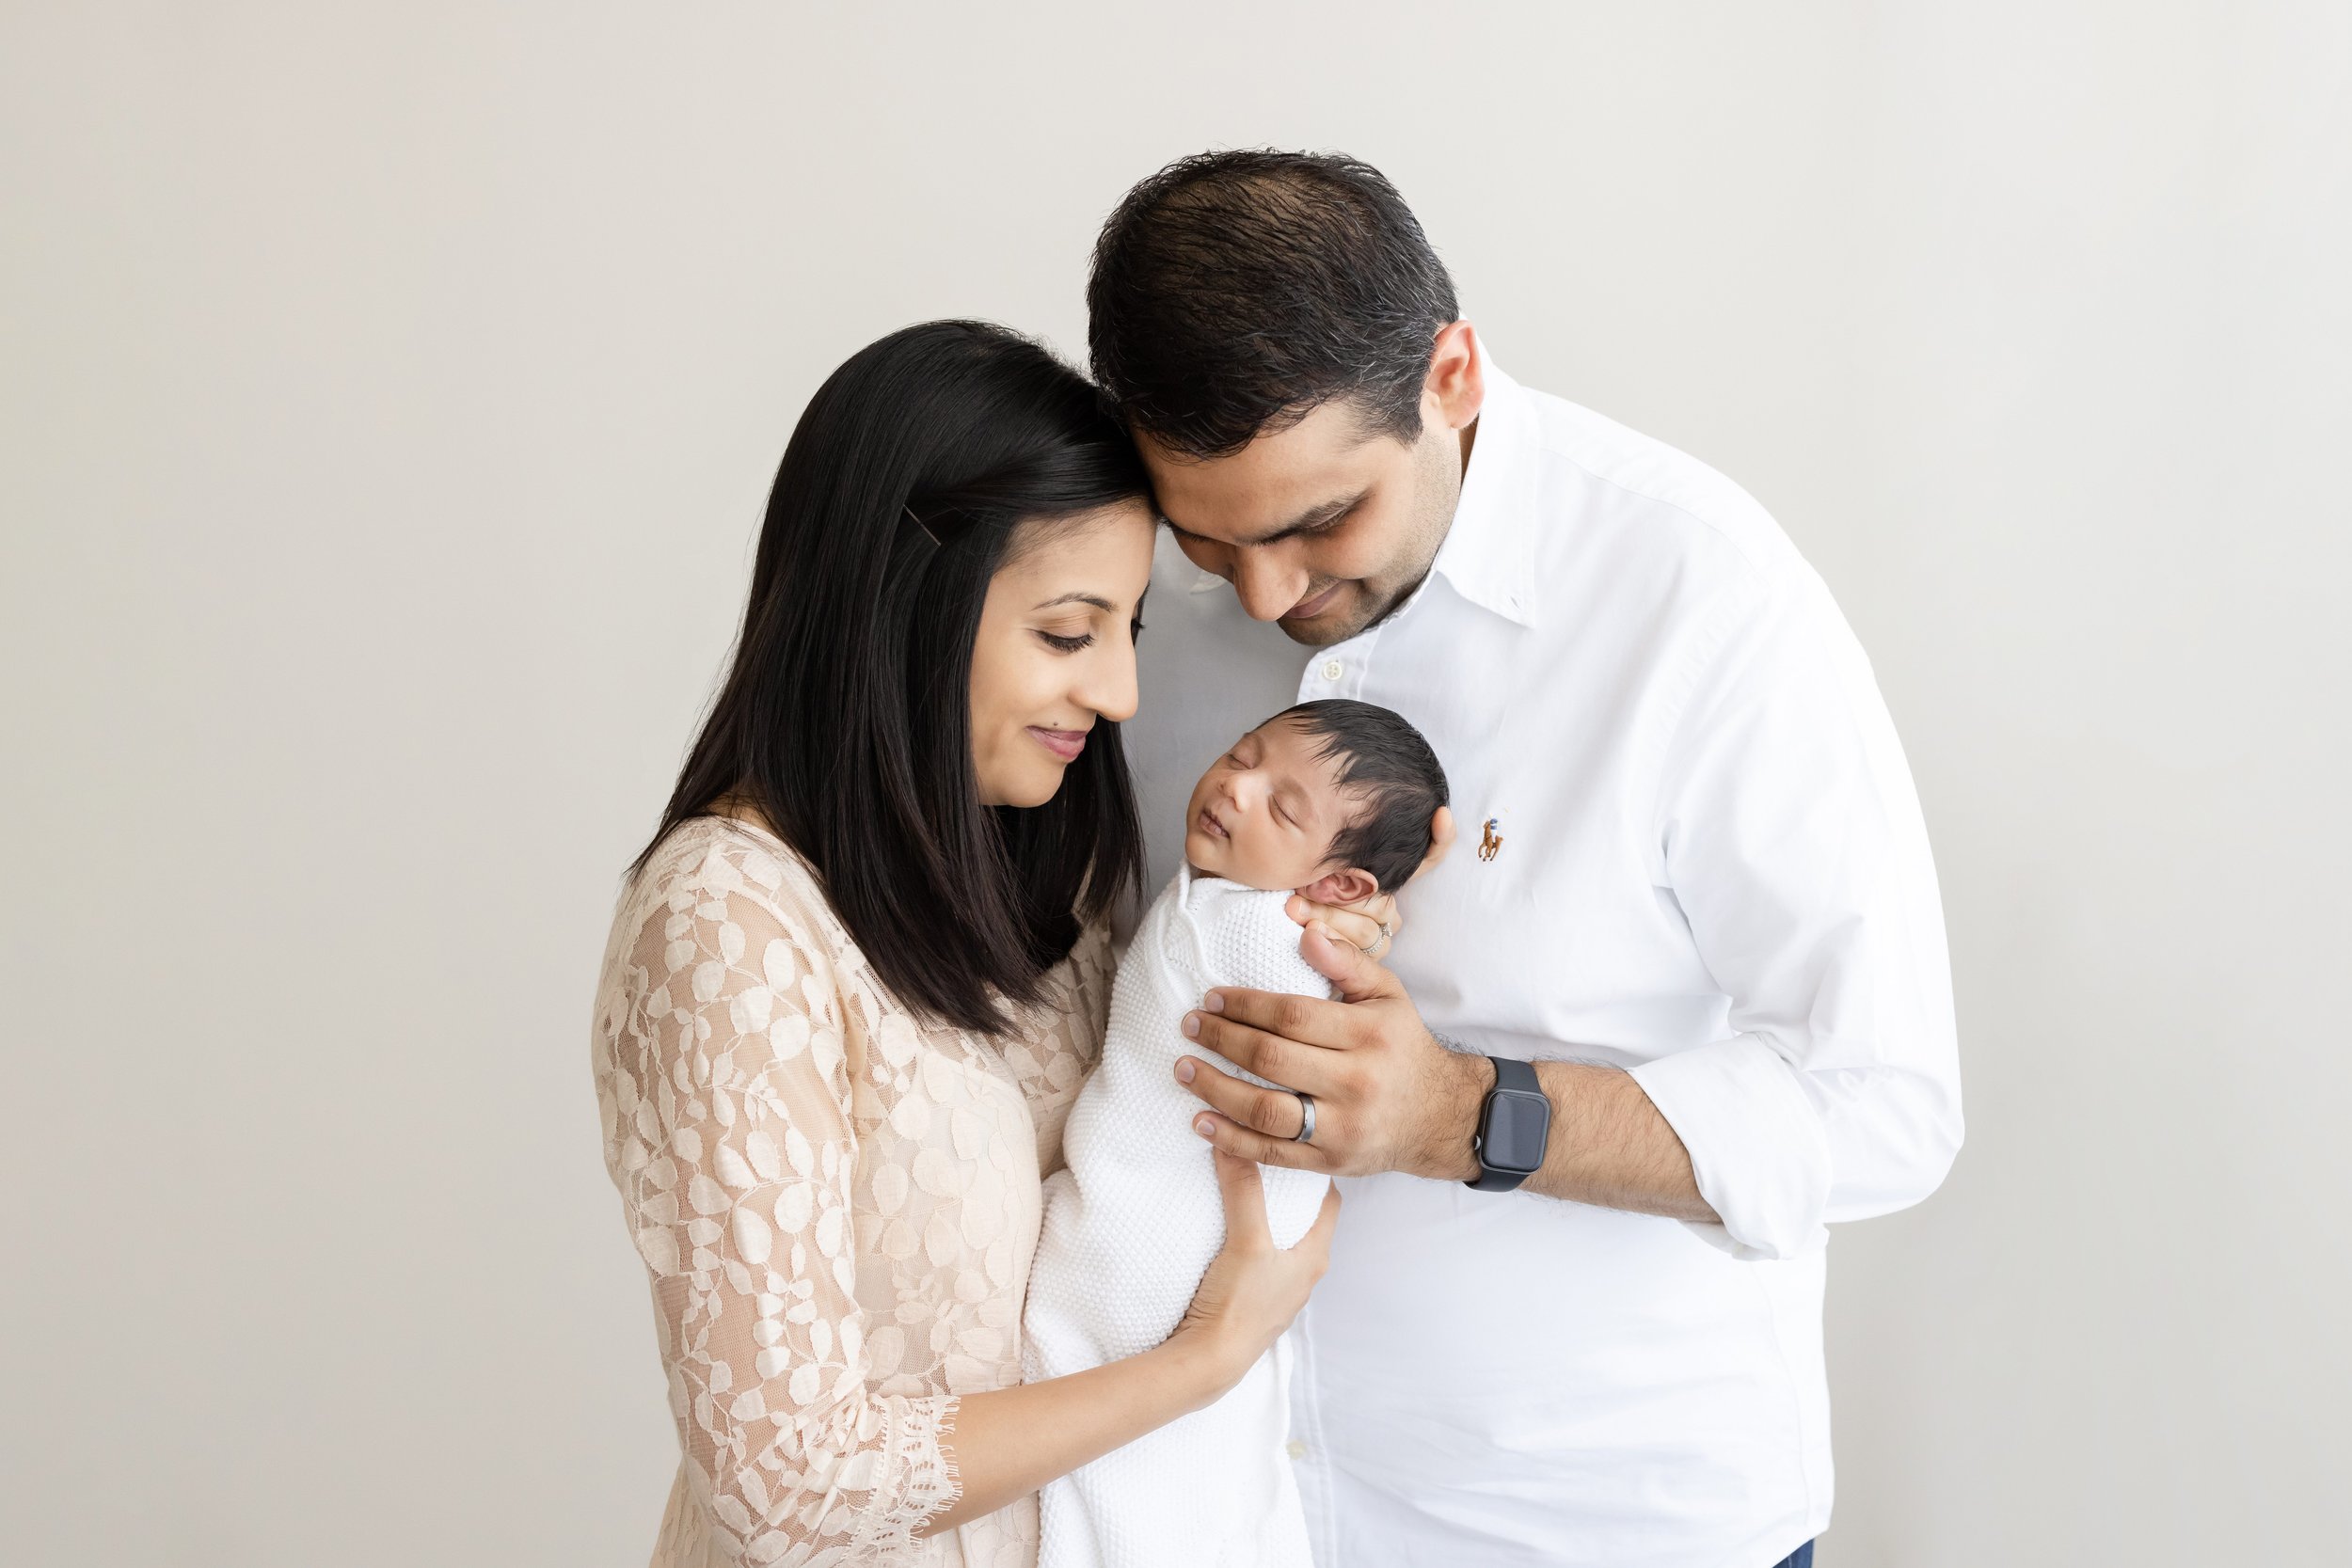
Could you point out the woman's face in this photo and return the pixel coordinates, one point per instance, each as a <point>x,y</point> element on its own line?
<point>1056,648</point>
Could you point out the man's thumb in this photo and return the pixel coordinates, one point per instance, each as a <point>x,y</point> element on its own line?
<point>1342,963</point>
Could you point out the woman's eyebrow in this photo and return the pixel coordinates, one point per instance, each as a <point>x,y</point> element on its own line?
<point>1081,597</point>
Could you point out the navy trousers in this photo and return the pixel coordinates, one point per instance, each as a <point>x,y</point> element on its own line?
<point>1800,1558</point>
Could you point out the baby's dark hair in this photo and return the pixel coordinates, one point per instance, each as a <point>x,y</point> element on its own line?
<point>1385,762</point>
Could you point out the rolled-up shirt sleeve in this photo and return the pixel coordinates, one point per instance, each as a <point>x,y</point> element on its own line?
<point>1789,834</point>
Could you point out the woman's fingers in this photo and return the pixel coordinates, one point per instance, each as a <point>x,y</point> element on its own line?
<point>1356,973</point>
<point>1244,1203</point>
<point>1316,1243</point>
<point>1360,925</point>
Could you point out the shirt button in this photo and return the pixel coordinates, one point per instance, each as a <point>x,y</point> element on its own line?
<point>1295,1448</point>
<point>1333,669</point>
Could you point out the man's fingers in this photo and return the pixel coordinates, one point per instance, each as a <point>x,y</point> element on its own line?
<point>1275,1113</point>
<point>1275,1057</point>
<point>1240,1143</point>
<point>1309,1020</point>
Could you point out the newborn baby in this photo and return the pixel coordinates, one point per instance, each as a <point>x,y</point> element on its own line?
<point>1334,800</point>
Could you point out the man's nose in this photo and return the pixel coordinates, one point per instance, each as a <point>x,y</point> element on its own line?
<point>1266,584</point>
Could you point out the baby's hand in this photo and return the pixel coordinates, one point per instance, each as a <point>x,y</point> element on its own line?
<point>1369,924</point>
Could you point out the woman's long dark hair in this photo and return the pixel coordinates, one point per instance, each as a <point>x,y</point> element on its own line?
<point>846,717</point>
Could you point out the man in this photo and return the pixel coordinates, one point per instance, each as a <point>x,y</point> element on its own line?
<point>1701,899</point>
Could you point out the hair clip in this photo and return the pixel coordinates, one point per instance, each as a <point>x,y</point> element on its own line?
<point>942,532</point>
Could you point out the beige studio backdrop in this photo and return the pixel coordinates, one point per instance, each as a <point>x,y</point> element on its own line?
<point>388,395</point>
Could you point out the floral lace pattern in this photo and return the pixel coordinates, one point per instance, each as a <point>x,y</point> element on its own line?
<point>836,1203</point>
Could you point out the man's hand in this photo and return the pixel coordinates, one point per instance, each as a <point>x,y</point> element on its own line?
<point>1388,1096</point>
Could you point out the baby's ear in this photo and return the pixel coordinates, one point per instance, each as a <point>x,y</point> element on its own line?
<point>1350,886</point>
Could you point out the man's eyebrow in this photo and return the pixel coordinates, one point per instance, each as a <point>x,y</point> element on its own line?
<point>1078,596</point>
<point>1313,517</point>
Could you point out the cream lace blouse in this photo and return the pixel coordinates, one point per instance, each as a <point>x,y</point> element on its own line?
<point>836,1201</point>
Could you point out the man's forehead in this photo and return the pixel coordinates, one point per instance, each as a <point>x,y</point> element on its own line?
<point>1269,484</point>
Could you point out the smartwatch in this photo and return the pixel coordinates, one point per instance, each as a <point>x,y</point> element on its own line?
<point>1513,1126</point>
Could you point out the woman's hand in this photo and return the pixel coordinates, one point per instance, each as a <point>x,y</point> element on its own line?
<point>1008,1442</point>
<point>1252,1289</point>
<point>1370,924</point>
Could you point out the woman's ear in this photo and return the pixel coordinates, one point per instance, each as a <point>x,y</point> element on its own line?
<point>1350,886</point>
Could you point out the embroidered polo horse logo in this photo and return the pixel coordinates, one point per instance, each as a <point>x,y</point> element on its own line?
<point>1490,843</point>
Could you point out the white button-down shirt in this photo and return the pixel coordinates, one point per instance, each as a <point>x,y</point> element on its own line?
<point>1689,847</point>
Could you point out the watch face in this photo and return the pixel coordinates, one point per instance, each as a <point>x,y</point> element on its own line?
<point>1513,1134</point>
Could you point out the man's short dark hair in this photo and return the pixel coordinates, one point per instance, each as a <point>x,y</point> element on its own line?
<point>1387,765</point>
<point>1235,293</point>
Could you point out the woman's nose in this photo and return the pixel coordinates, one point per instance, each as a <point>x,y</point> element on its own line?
<point>1110,687</point>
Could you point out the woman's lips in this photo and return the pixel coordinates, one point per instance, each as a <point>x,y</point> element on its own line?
<point>1307,609</point>
<point>1065,744</point>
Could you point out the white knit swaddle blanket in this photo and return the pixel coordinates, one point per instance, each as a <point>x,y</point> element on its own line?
<point>1129,1228</point>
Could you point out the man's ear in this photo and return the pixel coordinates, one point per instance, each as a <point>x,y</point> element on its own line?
<point>1455,388</point>
<point>1350,886</point>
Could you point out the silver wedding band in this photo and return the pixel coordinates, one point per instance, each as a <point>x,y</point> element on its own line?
<point>1306,1118</point>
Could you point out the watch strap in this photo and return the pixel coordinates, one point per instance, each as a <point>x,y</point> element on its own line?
<point>1512,1076</point>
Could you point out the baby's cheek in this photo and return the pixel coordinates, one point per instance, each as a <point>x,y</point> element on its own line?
<point>1272,867</point>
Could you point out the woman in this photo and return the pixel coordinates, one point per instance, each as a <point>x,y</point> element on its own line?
<point>858,975</point>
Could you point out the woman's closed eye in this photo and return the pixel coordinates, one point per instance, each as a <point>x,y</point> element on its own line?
<point>1070,643</point>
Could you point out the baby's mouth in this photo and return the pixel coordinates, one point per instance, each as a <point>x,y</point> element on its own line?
<point>1211,826</point>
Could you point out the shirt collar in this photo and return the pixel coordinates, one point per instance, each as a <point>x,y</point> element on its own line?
<point>1489,549</point>
<point>1489,553</point>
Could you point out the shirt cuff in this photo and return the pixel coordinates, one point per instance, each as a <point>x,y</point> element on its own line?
<point>1756,1142</point>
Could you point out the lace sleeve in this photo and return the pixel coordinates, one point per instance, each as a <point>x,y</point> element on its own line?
<point>727,1102</point>
<point>1050,1059</point>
